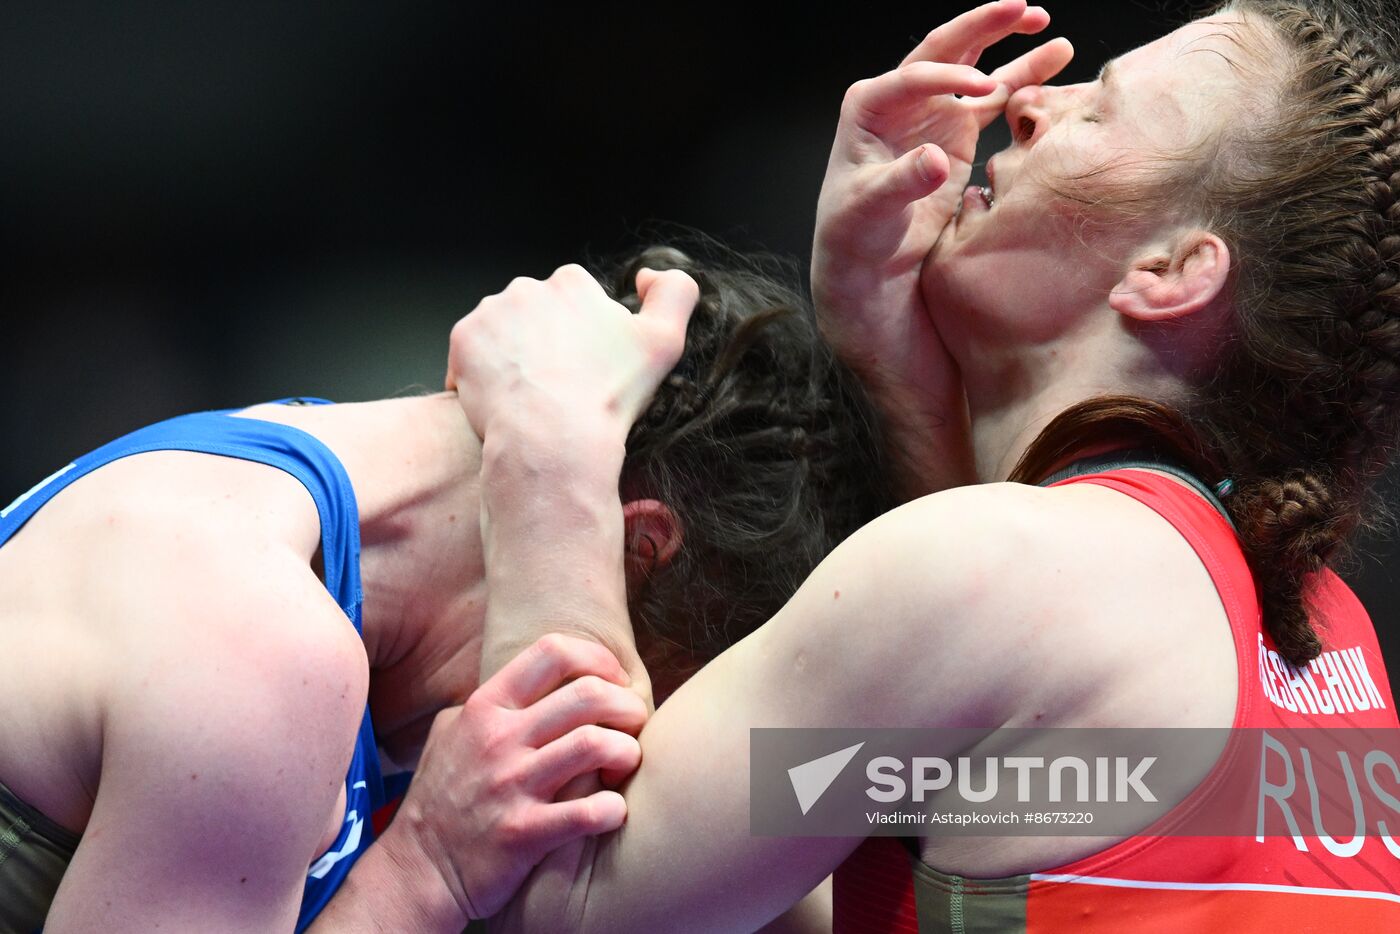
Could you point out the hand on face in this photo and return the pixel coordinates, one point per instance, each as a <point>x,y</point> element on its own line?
<point>904,137</point>
<point>903,154</point>
<point>485,805</point>
<point>561,354</point>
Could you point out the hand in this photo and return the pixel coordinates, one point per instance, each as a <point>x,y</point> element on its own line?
<point>902,156</point>
<point>561,353</point>
<point>482,809</point>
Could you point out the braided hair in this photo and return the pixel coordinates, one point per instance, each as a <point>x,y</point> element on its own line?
<point>1302,409</point>
<point>759,441</point>
<point>1306,407</point>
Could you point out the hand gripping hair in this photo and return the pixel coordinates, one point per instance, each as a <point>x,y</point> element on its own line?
<point>759,441</point>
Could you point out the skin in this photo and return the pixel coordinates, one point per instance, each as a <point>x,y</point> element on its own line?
<point>955,609</point>
<point>196,730</point>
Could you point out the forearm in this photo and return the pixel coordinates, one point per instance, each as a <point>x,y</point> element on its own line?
<point>923,414</point>
<point>389,891</point>
<point>927,437</point>
<point>552,530</point>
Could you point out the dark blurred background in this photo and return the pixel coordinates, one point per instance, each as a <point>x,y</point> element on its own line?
<point>210,205</point>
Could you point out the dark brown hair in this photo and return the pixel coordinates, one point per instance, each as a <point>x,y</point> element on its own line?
<point>759,441</point>
<point>1302,409</point>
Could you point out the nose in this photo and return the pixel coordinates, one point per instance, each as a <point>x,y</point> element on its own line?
<point>1028,114</point>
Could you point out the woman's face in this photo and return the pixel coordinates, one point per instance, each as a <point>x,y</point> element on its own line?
<point>1027,266</point>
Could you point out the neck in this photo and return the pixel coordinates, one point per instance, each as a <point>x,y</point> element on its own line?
<point>414,465</point>
<point>1014,393</point>
<point>415,475</point>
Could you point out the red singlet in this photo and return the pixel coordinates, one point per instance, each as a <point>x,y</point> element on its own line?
<point>1175,884</point>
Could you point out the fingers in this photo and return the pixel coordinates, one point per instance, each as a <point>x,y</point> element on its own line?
<point>574,278</point>
<point>586,700</point>
<point>545,665</point>
<point>456,351</point>
<point>965,38</point>
<point>895,185</point>
<point>889,97</point>
<point>586,750</point>
<point>668,298</point>
<point>645,279</point>
<point>565,821</point>
<point>1033,69</point>
<point>1037,66</point>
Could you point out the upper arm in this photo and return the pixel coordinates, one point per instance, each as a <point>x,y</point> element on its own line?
<point>885,633</point>
<point>225,742</point>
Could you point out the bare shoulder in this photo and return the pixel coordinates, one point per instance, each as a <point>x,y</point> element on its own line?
<point>231,649</point>
<point>179,556</point>
<point>252,652</point>
<point>159,563</point>
<point>945,561</point>
<point>149,509</point>
<point>1095,601</point>
<point>222,598</point>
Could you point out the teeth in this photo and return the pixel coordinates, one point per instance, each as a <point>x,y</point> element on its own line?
<point>987,193</point>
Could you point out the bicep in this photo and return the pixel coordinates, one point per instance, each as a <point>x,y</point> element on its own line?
<point>184,859</point>
<point>219,773</point>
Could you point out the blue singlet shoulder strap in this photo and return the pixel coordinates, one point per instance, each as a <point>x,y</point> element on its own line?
<point>289,449</point>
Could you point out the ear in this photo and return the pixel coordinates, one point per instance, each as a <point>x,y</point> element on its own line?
<point>1161,286</point>
<point>651,535</point>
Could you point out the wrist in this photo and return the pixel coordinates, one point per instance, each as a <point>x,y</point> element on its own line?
<point>857,312</point>
<point>551,499</point>
<point>407,886</point>
<point>552,451</point>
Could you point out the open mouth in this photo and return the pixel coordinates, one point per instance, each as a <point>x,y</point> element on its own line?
<point>977,198</point>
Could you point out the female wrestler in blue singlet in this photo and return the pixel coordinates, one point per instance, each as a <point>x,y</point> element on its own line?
<point>192,730</point>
